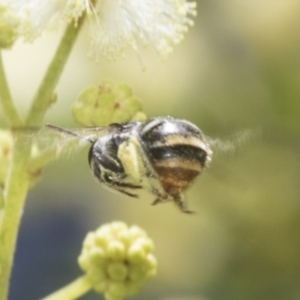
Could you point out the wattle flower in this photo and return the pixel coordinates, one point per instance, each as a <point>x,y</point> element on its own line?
<point>115,25</point>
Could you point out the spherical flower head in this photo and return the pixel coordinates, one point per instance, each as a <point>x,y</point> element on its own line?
<point>117,259</point>
<point>118,25</point>
<point>106,103</point>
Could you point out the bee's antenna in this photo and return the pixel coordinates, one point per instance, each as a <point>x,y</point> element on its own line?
<point>70,132</point>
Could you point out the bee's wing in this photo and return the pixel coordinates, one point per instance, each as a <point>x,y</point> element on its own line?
<point>221,170</point>
<point>234,142</point>
<point>60,138</point>
<point>50,142</point>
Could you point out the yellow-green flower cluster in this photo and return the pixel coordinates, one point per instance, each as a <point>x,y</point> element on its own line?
<point>106,103</point>
<point>117,259</point>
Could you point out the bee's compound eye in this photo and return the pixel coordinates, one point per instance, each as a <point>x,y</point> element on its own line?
<point>94,165</point>
<point>90,156</point>
<point>103,158</point>
<point>107,178</point>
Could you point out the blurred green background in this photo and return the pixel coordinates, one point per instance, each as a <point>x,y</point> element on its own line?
<point>238,68</point>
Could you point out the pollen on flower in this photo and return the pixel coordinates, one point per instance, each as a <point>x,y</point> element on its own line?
<point>75,8</point>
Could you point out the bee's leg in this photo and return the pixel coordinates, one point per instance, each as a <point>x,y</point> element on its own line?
<point>155,191</point>
<point>179,201</point>
<point>161,197</point>
<point>126,193</point>
<point>122,186</point>
<point>132,158</point>
<point>129,194</point>
<point>156,201</point>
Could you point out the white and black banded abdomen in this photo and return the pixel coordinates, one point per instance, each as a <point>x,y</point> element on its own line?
<point>177,151</point>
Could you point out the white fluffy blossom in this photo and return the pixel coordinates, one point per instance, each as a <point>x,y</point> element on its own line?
<point>37,15</point>
<point>115,25</point>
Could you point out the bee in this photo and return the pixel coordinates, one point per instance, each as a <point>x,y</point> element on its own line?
<point>163,155</point>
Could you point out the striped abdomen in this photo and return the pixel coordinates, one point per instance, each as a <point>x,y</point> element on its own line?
<point>178,154</point>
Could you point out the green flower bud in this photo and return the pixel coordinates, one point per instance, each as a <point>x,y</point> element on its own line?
<point>107,103</point>
<point>136,253</point>
<point>117,271</point>
<point>117,288</point>
<point>139,116</point>
<point>8,32</point>
<point>117,259</point>
<point>136,232</point>
<point>96,256</point>
<point>101,286</point>
<point>116,250</point>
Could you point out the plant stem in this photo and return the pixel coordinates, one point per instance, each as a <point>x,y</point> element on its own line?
<point>71,291</point>
<point>10,111</point>
<point>42,99</point>
<point>15,194</point>
<point>18,180</point>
